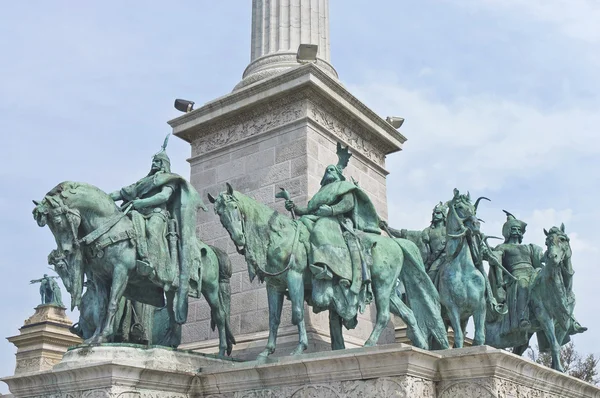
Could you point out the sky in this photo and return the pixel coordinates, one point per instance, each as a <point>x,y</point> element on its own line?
<point>501,98</point>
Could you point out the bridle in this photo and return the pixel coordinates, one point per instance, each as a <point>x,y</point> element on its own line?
<point>73,224</point>
<point>242,251</point>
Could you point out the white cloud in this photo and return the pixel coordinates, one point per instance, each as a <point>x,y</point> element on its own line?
<point>578,19</point>
<point>483,139</point>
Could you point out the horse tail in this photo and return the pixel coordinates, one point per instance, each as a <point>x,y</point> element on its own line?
<point>421,295</point>
<point>225,272</point>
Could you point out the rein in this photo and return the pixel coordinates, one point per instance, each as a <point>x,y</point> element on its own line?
<point>291,257</point>
<point>92,236</point>
<point>460,235</point>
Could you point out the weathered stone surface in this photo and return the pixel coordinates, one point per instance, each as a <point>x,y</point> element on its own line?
<point>43,339</point>
<point>387,371</point>
<point>298,116</point>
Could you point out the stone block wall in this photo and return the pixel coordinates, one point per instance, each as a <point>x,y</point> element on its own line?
<point>286,142</point>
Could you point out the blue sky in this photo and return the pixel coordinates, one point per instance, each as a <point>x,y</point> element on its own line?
<point>500,98</point>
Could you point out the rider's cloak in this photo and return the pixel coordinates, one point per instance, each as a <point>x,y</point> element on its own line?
<point>327,240</point>
<point>183,207</point>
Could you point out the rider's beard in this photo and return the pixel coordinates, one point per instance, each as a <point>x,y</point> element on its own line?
<point>329,178</point>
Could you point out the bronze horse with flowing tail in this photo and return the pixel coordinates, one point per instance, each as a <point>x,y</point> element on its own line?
<point>276,249</point>
<point>74,212</point>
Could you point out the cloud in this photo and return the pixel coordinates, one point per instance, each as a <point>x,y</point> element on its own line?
<point>483,139</point>
<point>575,18</point>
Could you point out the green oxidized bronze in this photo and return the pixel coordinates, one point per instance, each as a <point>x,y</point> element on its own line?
<point>335,252</point>
<point>431,241</point>
<point>462,282</point>
<point>49,290</point>
<point>145,250</point>
<point>537,290</point>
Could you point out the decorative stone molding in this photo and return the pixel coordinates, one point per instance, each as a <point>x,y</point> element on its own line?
<point>351,132</point>
<point>247,124</point>
<point>124,371</point>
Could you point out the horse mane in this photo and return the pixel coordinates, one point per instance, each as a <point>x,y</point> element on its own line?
<point>67,189</point>
<point>558,231</point>
<point>259,221</point>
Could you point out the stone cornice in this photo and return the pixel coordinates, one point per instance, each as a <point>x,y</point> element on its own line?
<point>459,366</point>
<point>188,125</point>
<point>150,372</point>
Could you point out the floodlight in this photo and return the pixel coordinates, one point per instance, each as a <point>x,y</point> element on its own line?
<point>184,105</point>
<point>395,121</point>
<point>307,53</point>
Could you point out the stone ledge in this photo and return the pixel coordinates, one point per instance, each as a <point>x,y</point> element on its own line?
<point>189,125</point>
<point>390,370</point>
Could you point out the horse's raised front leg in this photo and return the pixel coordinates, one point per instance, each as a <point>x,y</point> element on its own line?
<point>275,300</point>
<point>119,283</point>
<point>210,291</point>
<point>335,330</point>
<point>296,289</point>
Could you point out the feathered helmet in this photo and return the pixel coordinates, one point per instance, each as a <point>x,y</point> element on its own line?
<point>163,157</point>
<point>343,157</point>
<point>512,221</point>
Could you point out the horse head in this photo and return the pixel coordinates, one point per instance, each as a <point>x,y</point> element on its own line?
<point>463,213</point>
<point>64,223</point>
<point>228,210</point>
<point>558,246</point>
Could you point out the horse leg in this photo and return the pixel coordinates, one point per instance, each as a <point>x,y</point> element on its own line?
<point>296,289</point>
<point>549,331</point>
<point>275,299</point>
<point>210,291</point>
<point>400,309</point>
<point>382,289</point>
<point>479,321</point>
<point>119,283</point>
<point>335,330</point>
<point>454,316</point>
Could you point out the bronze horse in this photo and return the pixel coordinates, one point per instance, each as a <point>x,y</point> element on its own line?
<point>74,212</point>
<point>276,249</point>
<point>551,302</point>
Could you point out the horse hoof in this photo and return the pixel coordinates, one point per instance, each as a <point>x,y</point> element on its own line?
<point>298,351</point>
<point>264,354</point>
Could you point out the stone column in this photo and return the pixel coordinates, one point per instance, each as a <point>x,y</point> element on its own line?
<point>278,28</point>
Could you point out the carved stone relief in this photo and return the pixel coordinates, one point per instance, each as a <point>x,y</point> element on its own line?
<point>397,387</point>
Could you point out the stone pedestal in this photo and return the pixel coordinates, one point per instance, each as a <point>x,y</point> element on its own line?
<point>43,339</point>
<point>386,371</point>
<point>280,132</point>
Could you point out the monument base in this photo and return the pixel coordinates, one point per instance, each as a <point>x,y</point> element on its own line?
<point>43,339</point>
<point>395,370</point>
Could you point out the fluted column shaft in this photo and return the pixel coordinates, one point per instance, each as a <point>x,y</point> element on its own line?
<point>282,25</point>
<point>278,28</point>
